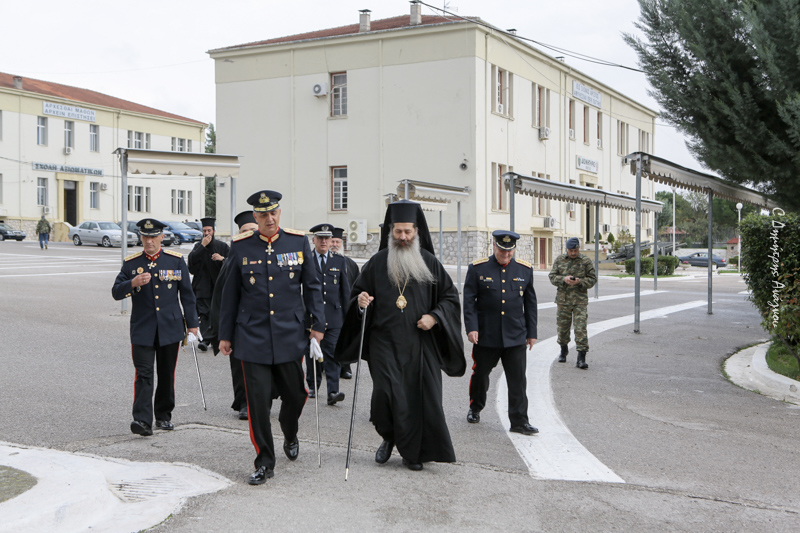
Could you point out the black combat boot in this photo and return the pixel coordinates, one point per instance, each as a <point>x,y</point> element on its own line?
<point>582,361</point>
<point>562,358</point>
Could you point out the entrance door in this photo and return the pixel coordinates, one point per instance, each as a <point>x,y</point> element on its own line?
<point>543,254</point>
<point>71,202</point>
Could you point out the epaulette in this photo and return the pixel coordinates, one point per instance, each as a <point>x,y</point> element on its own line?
<point>173,252</point>
<point>523,263</point>
<point>291,231</point>
<point>479,261</point>
<point>134,256</point>
<point>243,235</point>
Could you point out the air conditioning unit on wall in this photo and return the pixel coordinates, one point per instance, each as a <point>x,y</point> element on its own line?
<point>500,108</point>
<point>571,133</point>
<point>104,186</point>
<point>357,231</point>
<point>570,207</point>
<point>549,222</point>
<point>320,89</point>
<point>68,150</point>
<point>46,210</point>
<point>544,133</point>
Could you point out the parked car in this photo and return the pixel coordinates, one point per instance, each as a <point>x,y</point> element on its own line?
<point>168,235</point>
<point>183,233</point>
<point>700,259</point>
<point>7,232</point>
<point>101,233</point>
<point>195,225</point>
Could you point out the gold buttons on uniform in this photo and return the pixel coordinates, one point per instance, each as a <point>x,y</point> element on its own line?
<point>502,312</point>
<point>270,278</point>
<point>504,301</point>
<point>504,290</point>
<point>158,309</point>
<point>156,296</point>
<point>272,312</point>
<point>504,281</point>
<point>271,295</point>
<point>269,262</point>
<point>156,286</point>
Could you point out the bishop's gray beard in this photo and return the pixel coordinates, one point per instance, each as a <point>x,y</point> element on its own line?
<point>406,263</point>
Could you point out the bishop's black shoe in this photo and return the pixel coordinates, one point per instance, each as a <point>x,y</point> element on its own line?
<point>384,451</point>
<point>335,397</point>
<point>243,413</point>
<point>140,428</point>
<point>202,346</point>
<point>261,475</point>
<point>165,425</point>
<point>346,373</point>
<point>473,416</point>
<point>525,429</point>
<point>291,449</point>
<point>412,466</point>
<point>312,393</point>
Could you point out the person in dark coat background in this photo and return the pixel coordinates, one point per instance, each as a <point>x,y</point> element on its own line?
<point>337,246</point>
<point>157,282</point>
<point>205,263</point>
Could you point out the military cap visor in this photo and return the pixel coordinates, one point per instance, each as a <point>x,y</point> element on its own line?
<point>265,201</point>
<point>505,240</point>
<point>150,227</point>
<point>322,230</point>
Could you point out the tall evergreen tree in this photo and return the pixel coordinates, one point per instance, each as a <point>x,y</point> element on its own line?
<point>211,182</point>
<point>727,75</point>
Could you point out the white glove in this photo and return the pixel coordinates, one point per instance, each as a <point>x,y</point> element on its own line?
<point>316,351</point>
<point>191,338</point>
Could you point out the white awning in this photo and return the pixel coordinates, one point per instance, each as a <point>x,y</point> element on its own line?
<point>156,162</point>
<point>578,194</point>
<point>668,173</point>
<point>431,193</point>
<point>426,205</point>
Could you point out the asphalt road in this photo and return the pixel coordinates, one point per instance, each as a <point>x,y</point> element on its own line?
<point>696,452</point>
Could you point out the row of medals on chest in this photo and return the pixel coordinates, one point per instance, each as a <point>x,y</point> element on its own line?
<point>287,259</point>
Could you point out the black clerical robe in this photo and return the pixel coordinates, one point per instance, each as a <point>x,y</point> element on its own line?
<point>406,362</point>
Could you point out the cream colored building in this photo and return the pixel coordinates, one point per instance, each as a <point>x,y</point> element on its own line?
<point>56,156</point>
<point>334,119</point>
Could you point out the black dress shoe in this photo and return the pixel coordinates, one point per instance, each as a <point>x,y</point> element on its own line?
<point>346,374</point>
<point>202,346</point>
<point>384,451</point>
<point>412,466</point>
<point>243,413</point>
<point>291,449</point>
<point>335,397</point>
<point>525,429</point>
<point>165,425</point>
<point>473,417</point>
<point>312,394</point>
<point>261,475</point>
<point>140,428</point>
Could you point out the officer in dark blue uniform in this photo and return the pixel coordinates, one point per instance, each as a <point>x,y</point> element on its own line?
<point>332,272</point>
<point>353,270</point>
<point>263,315</point>
<point>155,279</point>
<point>500,318</point>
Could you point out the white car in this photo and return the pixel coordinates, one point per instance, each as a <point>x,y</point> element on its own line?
<point>100,233</point>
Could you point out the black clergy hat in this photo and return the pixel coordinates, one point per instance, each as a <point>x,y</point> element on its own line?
<point>338,233</point>
<point>208,222</point>
<point>505,240</point>
<point>245,217</point>
<point>406,211</point>
<point>322,230</point>
<point>265,201</point>
<point>150,227</point>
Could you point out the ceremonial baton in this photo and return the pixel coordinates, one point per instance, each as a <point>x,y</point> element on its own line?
<point>316,399</point>
<point>355,393</point>
<point>197,366</point>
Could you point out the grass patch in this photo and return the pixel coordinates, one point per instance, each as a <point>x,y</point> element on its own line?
<point>782,362</point>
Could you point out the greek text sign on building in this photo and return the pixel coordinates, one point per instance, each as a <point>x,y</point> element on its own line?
<point>587,164</point>
<point>68,169</point>
<point>68,111</point>
<point>587,94</point>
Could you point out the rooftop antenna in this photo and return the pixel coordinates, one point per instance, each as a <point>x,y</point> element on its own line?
<point>446,7</point>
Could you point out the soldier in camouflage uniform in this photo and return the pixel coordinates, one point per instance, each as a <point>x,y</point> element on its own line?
<point>573,274</point>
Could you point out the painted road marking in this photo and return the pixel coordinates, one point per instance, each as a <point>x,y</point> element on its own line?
<point>555,453</point>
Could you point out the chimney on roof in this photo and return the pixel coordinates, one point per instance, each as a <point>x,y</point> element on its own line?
<point>18,82</point>
<point>416,13</point>
<point>364,20</point>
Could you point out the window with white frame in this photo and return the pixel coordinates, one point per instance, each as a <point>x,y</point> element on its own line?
<point>146,141</point>
<point>181,145</point>
<point>69,134</point>
<point>94,195</point>
<point>179,202</point>
<point>41,191</point>
<point>130,197</point>
<point>188,145</point>
<point>94,138</point>
<point>339,94</point>
<point>599,129</point>
<point>499,193</point>
<point>138,140</point>
<point>644,141</point>
<point>188,202</point>
<point>622,138</point>
<point>586,124</point>
<point>147,199</point>
<point>503,83</point>
<point>541,106</point>
<point>137,198</point>
<point>41,131</point>
<point>339,188</point>
<point>571,119</point>
<point>130,139</point>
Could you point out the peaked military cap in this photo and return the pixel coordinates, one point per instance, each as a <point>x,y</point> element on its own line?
<point>245,217</point>
<point>265,201</point>
<point>208,222</point>
<point>505,240</point>
<point>322,230</point>
<point>338,233</point>
<point>573,243</point>
<point>150,227</point>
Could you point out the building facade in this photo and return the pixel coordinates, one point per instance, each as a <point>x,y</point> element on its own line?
<point>334,119</point>
<point>56,156</point>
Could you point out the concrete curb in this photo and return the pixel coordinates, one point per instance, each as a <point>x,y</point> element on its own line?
<point>748,369</point>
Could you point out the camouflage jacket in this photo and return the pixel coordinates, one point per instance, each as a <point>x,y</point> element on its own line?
<point>43,226</point>
<point>582,268</point>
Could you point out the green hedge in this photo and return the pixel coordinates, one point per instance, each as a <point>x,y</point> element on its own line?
<point>771,265</point>
<point>666,265</point>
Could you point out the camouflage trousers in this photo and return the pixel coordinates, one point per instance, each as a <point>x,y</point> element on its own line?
<point>566,315</point>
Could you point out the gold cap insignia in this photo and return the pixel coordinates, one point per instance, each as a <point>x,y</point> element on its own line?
<point>264,199</point>
<point>507,239</point>
<point>148,225</point>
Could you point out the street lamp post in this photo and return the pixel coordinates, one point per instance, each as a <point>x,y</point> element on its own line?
<point>739,207</point>
<point>673,222</point>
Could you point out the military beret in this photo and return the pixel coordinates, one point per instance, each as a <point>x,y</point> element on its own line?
<point>572,243</point>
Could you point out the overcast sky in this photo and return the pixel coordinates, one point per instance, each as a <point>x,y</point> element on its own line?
<point>154,52</point>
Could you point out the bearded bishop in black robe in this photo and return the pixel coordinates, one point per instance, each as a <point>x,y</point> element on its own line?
<point>409,291</point>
